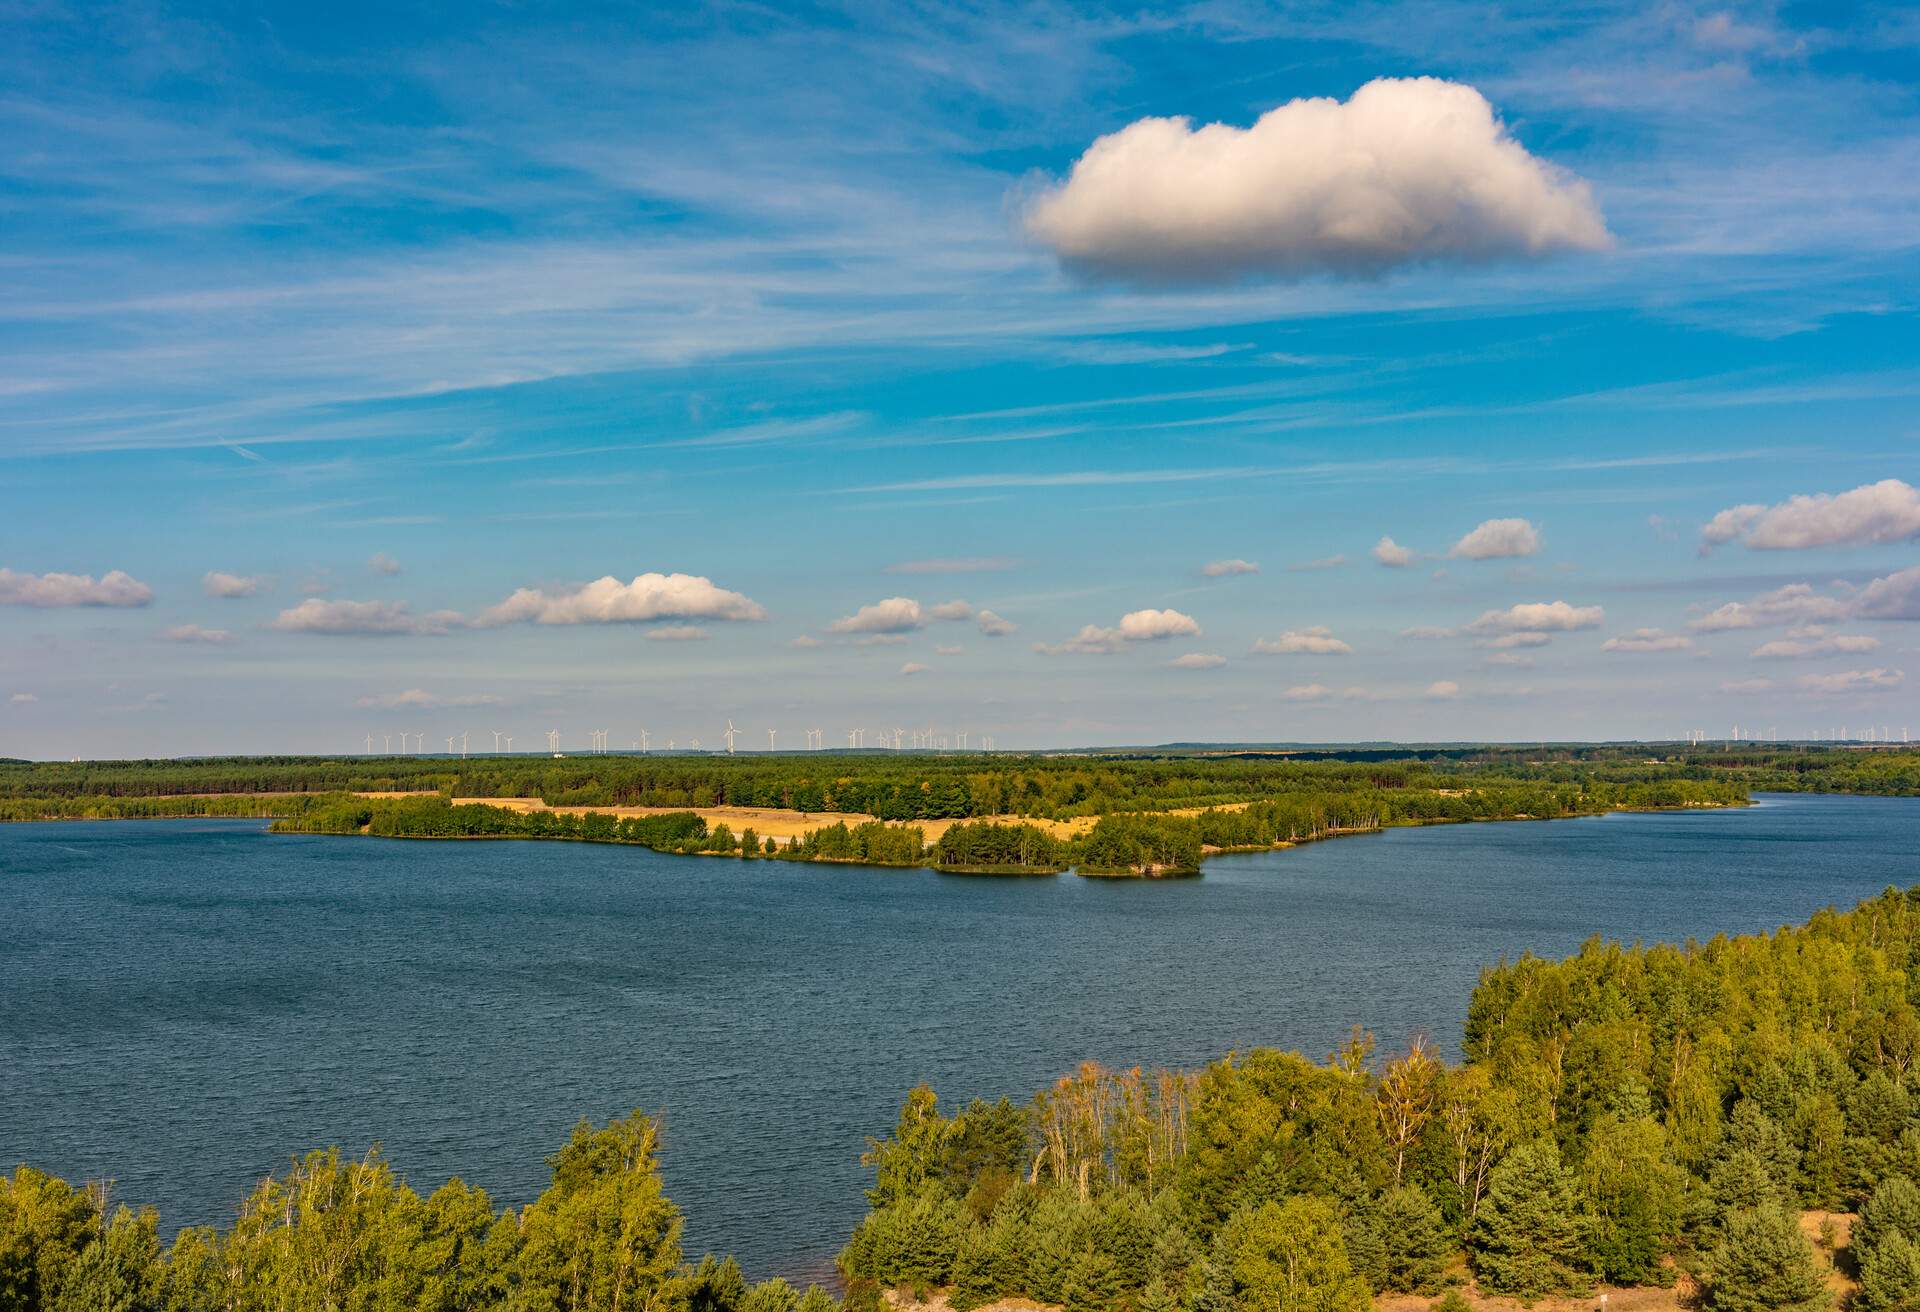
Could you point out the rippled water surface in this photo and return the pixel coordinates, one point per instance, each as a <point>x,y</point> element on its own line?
<point>184,1004</point>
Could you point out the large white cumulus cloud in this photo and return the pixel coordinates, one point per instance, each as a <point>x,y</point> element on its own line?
<point>1408,170</point>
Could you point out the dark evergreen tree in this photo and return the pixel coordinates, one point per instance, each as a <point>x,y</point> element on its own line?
<point>1764,1264</point>
<point>1526,1235</point>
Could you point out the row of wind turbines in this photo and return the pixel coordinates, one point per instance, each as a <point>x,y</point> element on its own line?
<point>414,742</point>
<point>1834,734</point>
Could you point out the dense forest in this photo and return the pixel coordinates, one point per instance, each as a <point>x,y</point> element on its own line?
<point>1634,1115</point>
<point>1155,813</point>
<point>929,786</point>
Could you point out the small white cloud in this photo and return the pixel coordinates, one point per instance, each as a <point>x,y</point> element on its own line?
<point>193,633</point>
<point>1307,692</point>
<point>992,625</point>
<point>1135,626</point>
<point>386,618</point>
<point>1407,171</point>
<point>1887,511</point>
<point>1428,632</point>
<point>1796,603</point>
<point>114,588</point>
<point>956,565</point>
<point>1197,660</point>
<point>1850,681</point>
<point>1325,562</point>
<point>1510,660</point>
<point>1539,617</point>
<point>1895,597</point>
<point>381,563</point>
<point>1391,554</point>
<point>1315,641</point>
<point>609,601</point>
<point>419,699</point>
<point>913,667</point>
<point>804,641</point>
<point>893,615</point>
<point>1648,640</point>
<point>677,633</point>
<point>1219,569</point>
<point>951,610</point>
<point>880,640</point>
<point>22,699</point>
<point>219,583</point>
<point>948,651</point>
<point>1518,638</point>
<point>1498,539</point>
<point>1442,690</point>
<point>1807,644</point>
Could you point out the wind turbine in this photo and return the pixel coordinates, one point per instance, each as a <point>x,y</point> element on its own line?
<point>770,733</point>
<point>643,740</point>
<point>553,741</point>
<point>463,744</point>
<point>389,738</point>
<point>496,741</point>
<point>509,744</point>
<point>420,746</point>
<point>728,735</point>
<point>449,744</point>
<point>603,739</point>
<point>369,744</point>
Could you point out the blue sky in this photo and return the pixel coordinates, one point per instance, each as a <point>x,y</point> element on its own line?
<point>771,315</point>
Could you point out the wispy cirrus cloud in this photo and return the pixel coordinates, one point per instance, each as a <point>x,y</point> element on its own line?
<point>955,565</point>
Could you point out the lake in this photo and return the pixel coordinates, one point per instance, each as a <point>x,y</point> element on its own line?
<point>186,1004</point>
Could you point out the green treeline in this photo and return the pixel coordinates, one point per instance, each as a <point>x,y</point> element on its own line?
<point>984,846</point>
<point>334,1234</point>
<point>925,786</point>
<point>436,817</point>
<point>1627,1115</point>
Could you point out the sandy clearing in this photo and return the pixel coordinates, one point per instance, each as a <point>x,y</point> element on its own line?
<point>773,822</point>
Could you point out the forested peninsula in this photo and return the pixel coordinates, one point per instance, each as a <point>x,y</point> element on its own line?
<point>1733,1122</point>
<point>1141,813</point>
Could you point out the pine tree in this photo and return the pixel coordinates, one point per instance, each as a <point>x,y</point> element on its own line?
<point>1526,1236</point>
<point>1764,1264</point>
<point>1893,1209</point>
<point>1414,1235</point>
<point>1890,1277</point>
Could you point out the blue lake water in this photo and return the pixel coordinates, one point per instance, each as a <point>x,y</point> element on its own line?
<point>185,1004</point>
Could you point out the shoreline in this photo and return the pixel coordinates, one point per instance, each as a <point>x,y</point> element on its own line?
<point>788,823</point>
